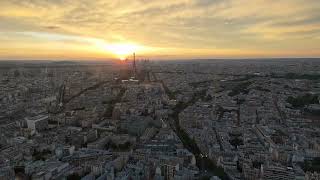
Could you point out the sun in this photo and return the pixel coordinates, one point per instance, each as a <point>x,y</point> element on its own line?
<point>122,50</point>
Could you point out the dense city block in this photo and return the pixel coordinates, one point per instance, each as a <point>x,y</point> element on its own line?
<point>162,120</point>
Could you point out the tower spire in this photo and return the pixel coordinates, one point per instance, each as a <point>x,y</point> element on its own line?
<point>134,65</point>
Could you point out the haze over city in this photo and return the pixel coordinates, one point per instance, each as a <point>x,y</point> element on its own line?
<point>166,29</point>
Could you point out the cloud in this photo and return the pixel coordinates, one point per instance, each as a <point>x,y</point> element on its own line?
<point>51,27</point>
<point>242,25</point>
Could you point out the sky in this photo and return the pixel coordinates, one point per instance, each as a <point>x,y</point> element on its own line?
<point>158,29</point>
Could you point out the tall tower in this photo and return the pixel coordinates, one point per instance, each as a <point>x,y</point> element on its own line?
<point>134,65</point>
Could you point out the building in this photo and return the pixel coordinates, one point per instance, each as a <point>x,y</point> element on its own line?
<point>37,123</point>
<point>274,173</point>
<point>7,173</point>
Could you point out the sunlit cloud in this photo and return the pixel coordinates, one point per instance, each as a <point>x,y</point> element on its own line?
<point>116,50</point>
<point>166,28</point>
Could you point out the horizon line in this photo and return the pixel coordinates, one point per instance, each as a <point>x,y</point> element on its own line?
<point>174,59</point>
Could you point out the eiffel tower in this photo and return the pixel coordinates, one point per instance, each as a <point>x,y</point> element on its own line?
<point>134,70</point>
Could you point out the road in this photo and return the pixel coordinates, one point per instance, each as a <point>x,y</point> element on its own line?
<point>206,166</point>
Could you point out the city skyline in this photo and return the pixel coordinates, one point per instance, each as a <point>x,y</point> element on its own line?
<point>164,120</point>
<point>182,29</point>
